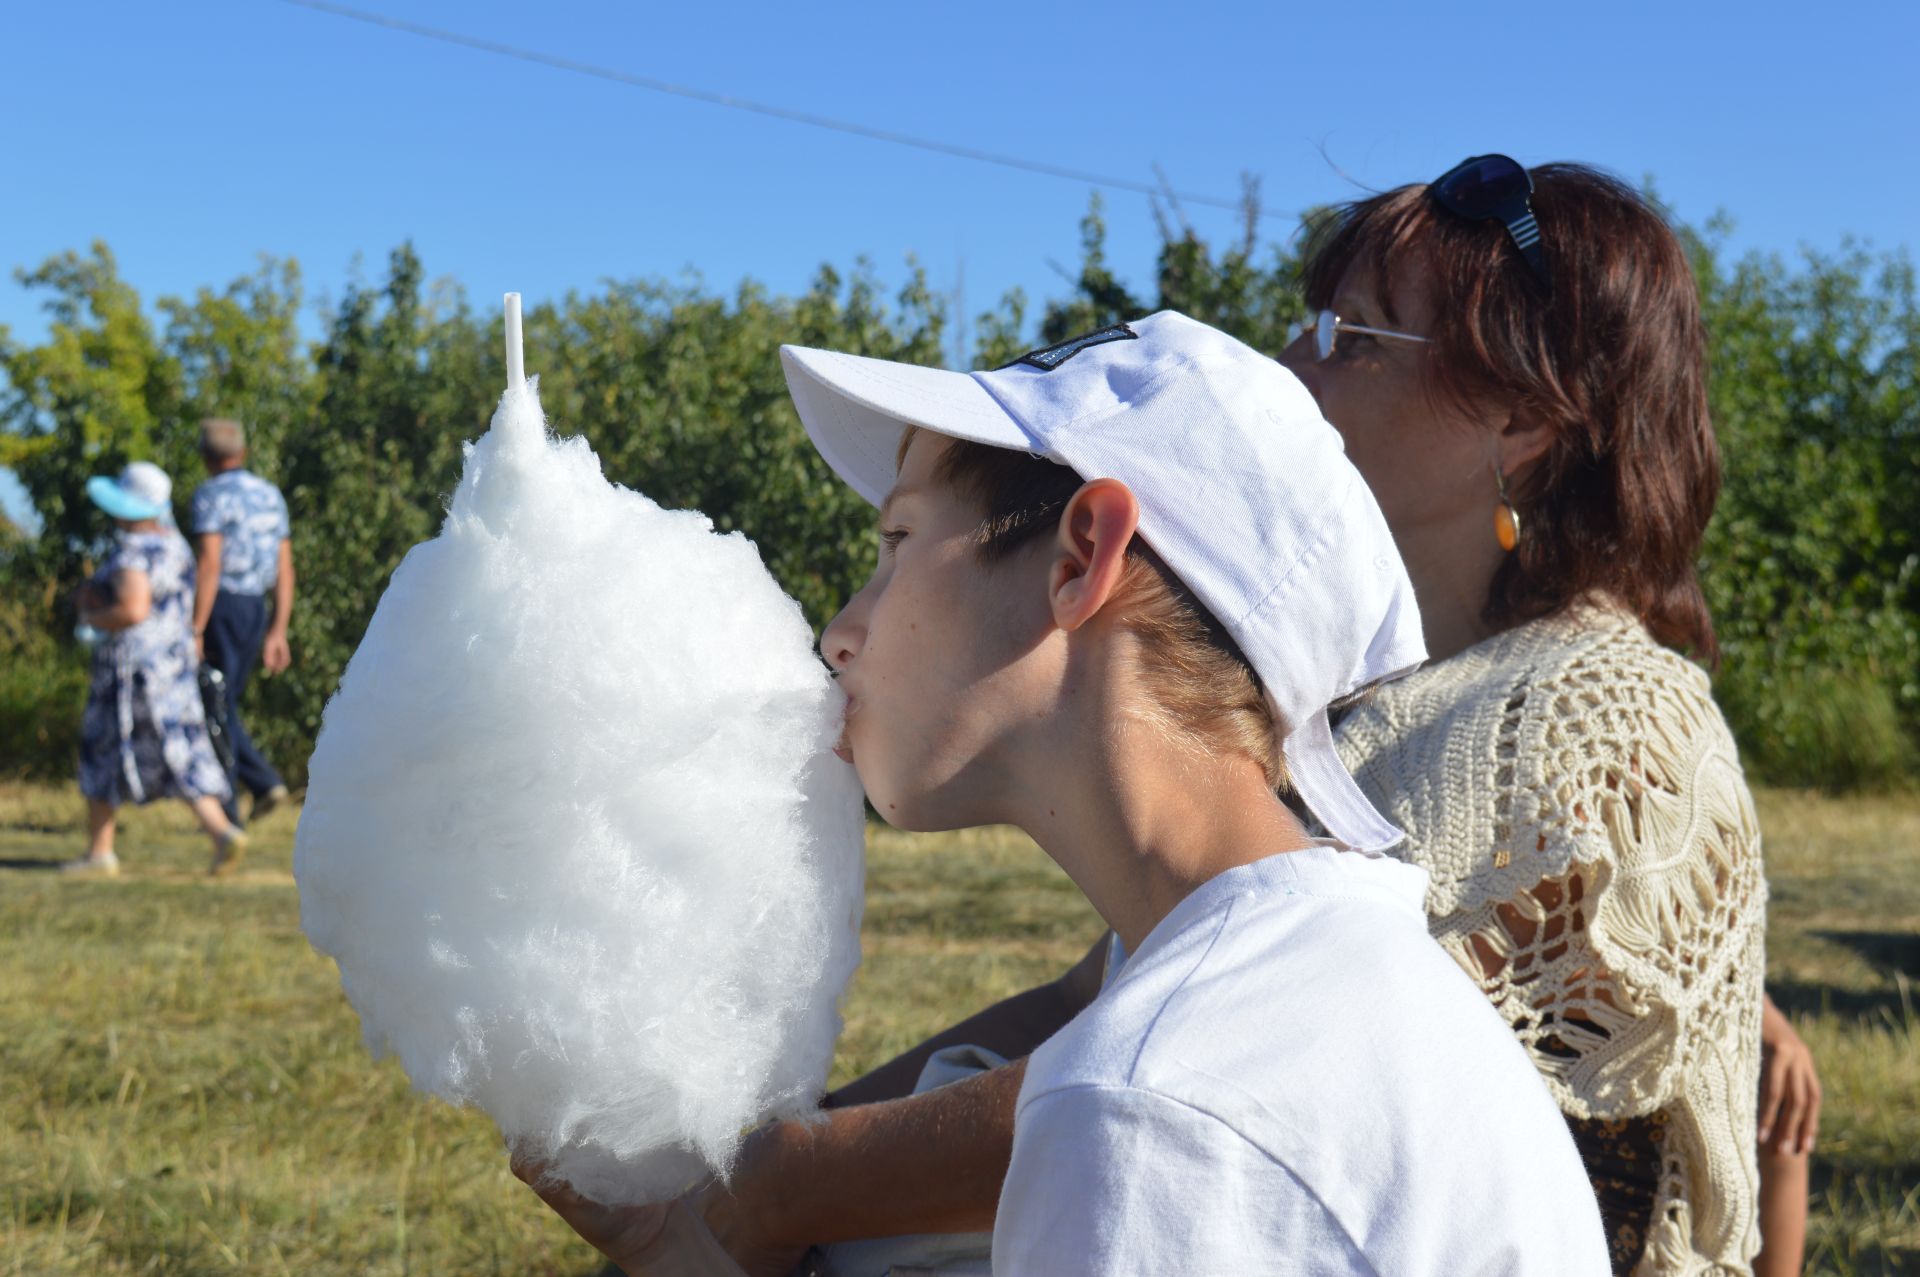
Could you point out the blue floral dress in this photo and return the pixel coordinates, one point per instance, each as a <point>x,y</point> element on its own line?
<point>144,734</point>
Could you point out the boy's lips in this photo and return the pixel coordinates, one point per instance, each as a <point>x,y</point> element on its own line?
<point>841,748</point>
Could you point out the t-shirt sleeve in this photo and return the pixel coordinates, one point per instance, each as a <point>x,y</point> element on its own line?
<point>134,554</point>
<point>280,505</point>
<point>123,557</point>
<point>1117,1181</point>
<point>204,514</point>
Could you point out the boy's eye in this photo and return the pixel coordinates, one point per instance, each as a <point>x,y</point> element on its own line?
<point>892,537</point>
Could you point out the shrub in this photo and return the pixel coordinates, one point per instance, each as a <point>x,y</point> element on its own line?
<point>43,682</point>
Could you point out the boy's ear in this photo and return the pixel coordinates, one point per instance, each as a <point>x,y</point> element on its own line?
<point>1091,550</point>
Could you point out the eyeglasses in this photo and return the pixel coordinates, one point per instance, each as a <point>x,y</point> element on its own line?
<point>1495,188</point>
<point>1328,326</point>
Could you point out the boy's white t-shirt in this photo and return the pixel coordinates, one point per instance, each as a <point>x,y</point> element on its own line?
<point>1291,1076</point>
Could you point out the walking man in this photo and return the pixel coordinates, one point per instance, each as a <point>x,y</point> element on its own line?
<point>244,552</point>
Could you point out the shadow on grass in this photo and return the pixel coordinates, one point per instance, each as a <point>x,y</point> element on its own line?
<point>1892,950</point>
<point>30,866</point>
<point>1879,1006</point>
<point>1893,954</point>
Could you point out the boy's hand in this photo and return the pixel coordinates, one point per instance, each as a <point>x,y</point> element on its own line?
<point>682,1238</point>
<point>618,1232</point>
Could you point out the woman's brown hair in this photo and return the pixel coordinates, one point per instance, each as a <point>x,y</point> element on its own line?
<point>1608,350</point>
<point>1202,687</point>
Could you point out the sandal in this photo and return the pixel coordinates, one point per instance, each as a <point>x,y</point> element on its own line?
<point>107,866</point>
<point>227,853</point>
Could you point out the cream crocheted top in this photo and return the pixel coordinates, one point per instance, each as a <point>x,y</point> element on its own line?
<point>1595,860</point>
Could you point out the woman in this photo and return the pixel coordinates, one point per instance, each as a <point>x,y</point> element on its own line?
<point>144,735</point>
<point>1526,396</point>
<point>1518,367</point>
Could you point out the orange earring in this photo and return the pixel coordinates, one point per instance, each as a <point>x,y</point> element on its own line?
<point>1506,519</point>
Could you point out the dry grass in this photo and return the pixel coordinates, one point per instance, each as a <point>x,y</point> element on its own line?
<point>183,1089</point>
<point>1843,952</point>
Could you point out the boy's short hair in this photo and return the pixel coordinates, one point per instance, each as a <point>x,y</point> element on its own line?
<point>1203,687</point>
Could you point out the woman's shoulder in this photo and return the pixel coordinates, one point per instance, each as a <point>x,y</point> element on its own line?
<point>137,551</point>
<point>1595,667</point>
<point>1514,758</point>
<point>160,554</point>
<point>1593,659</point>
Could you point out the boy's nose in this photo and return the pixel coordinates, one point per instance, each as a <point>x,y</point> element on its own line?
<point>839,642</point>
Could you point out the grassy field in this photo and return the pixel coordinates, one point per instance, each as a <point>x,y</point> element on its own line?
<point>183,1089</point>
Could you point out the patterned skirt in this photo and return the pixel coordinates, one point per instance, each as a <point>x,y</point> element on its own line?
<point>140,742</point>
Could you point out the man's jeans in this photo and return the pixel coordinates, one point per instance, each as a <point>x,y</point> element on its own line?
<point>235,632</point>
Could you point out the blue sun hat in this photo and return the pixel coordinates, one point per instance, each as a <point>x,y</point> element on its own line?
<point>142,491</point>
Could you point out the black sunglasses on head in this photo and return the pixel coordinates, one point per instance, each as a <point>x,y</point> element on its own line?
<point>1495,188</point>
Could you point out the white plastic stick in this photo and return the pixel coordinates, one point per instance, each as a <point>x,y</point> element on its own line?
<point>516,366</point>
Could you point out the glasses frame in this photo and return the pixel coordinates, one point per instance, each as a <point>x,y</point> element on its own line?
<point>1515,212</point>
<point>1327,327</point>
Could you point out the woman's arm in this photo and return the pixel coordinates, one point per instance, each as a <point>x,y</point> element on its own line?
<point>132,601</point>
<point>1789,1086</point>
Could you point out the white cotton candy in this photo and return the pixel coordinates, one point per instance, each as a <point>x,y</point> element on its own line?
<point>574,833</point>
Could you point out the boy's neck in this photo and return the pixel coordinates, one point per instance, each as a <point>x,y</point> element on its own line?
<point>1139,821</point>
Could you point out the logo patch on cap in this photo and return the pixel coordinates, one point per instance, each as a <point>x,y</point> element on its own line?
<point>1047,358</point>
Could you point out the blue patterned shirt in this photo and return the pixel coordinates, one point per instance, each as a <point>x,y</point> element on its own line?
<point>251,517</point>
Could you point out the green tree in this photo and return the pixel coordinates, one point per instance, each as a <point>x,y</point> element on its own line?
<point>103,389</point>
<point>1233,291</point>
<point>98,393</point>
<point>1812,562</point>
<point>1229,288</point>
<point>1096,297</point>
<point>240,355</point>
<point>682,396</point>
<point>398,384</point>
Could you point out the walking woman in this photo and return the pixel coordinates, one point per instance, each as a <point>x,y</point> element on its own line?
<point>143,735</point>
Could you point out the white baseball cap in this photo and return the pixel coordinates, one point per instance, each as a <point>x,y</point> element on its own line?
<point>1245,493</point>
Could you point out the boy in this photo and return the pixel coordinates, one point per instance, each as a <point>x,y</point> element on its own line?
<point>1287,1074</point>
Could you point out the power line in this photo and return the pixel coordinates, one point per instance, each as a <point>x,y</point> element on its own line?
<point>761,108</point>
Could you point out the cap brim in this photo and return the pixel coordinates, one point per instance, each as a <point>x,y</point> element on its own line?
<point>118,502</point>
<point>854,409</point>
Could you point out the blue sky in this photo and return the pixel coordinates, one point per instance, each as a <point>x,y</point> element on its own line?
<point>194,136</point>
